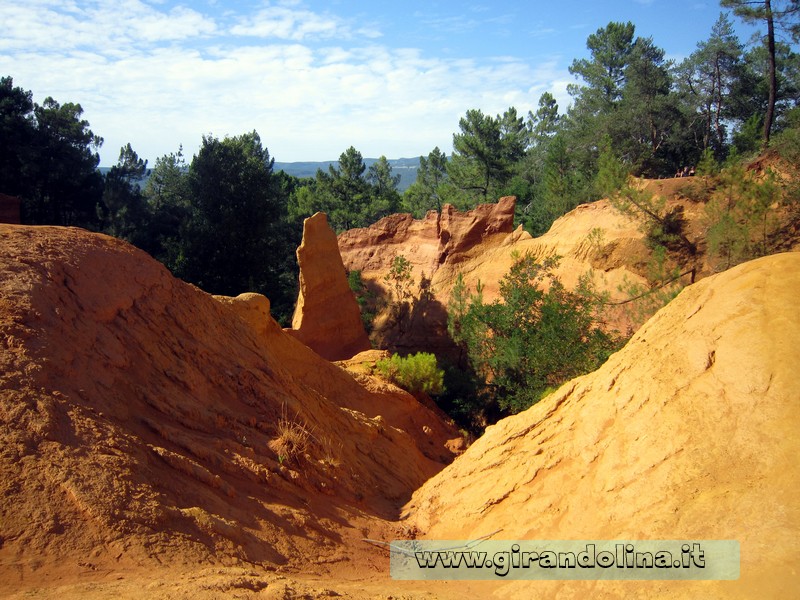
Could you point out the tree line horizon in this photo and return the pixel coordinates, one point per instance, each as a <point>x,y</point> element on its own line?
<point>229,222</point>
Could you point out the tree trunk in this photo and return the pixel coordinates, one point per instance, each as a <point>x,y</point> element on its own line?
<point>718,83</point>
<point>773,81</point>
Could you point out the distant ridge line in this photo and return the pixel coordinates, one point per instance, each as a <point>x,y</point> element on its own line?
<point>405,167</point>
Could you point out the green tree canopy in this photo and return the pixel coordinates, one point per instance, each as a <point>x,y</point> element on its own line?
<point>233,238</point>
<point>426,192</point>
<point>124,210</point>
<point>485,152</point>
<point>707,78</point>
<point>648,111</point>
<point>772,13</point>
<point>385,198</point>
<point>604,72</point>
<point>537,336</point>
<point>544,124</point>
<point>17,130</point>
<point>48,158</point>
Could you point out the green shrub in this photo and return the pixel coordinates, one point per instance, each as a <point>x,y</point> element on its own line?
<point>787,144</point>
<point>400,279</point>
<point>536,337</point>
<point>742,215</point>
<point>465,400</point>
<point>415,373</point>
<point>663,282</point>
<point>366,298</point>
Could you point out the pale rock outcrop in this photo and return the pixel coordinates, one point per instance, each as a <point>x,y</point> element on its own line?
<point>327,318</point>
<point>253,309</point>
<point>688,432</point>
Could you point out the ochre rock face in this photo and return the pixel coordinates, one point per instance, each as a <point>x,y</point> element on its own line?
<point>689,432</point>
<point>458,232</point>
<point>481,245</point>
<point>326,318</point>
<point>427,243</point>
<point>141,423</point>
<point>436,245</point>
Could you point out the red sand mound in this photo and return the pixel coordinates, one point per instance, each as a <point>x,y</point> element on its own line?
<point>140,425</point>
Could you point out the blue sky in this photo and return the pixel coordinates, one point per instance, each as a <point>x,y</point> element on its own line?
<point>313,78</point>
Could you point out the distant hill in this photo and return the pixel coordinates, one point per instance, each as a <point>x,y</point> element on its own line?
<point>405,167</point>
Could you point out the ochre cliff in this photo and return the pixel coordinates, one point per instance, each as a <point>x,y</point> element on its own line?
<point>427,243</point>
<point>481,245</point>
<point>689,432</point>
<point>326,317</point>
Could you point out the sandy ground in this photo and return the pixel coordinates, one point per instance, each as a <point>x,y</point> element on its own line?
<point>146,445</point>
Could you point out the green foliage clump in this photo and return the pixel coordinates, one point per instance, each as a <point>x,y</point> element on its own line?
<point>350,194</point>
<point>665,282</point>
<point>400,298</point>
<point>662,226</point>
<point>426,192</point>
<point>366,298</point>
<point>742,215</point>
<point>464,398</point>
<point>417,373</point>
<point>399,278</point>
<point>485,151</point>
<point>48,158</point>
<point>787,145</point>
<point>232,235</point>
<point>123,211</point>
<point>536,337</point>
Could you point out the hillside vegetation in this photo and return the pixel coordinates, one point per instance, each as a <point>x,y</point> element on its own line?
<point>229,221</point>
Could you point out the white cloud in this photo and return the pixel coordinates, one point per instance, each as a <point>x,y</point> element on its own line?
<point>287,24</point>
<point>146,75</point>
<point>181,23</point>
<point>453,25</point>
<point>115,27</point>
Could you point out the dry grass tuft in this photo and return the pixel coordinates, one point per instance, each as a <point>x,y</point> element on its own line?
<point>293,438</point>
<point>331,453</point>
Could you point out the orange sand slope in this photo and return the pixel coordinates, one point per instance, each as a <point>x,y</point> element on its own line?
<point>690,431</point>
<point>139,425</point>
